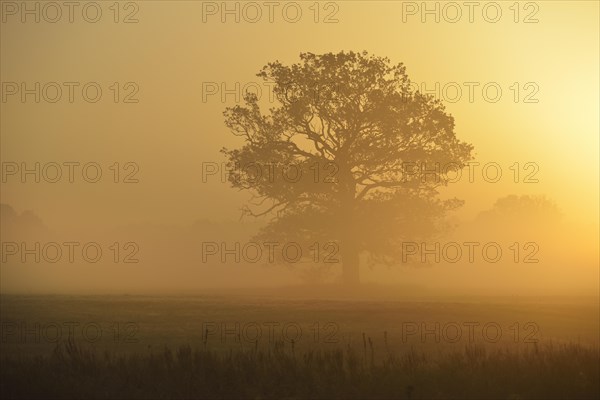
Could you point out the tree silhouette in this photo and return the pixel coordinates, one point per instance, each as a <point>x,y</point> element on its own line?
<point>522,213</point>
<point>343,157</point>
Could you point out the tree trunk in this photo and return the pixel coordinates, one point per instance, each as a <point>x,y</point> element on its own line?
<point>350,262</point>
<point>349,249</point>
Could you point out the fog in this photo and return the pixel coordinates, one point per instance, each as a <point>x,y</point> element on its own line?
<point>551,257</point>
<point>139,175</point>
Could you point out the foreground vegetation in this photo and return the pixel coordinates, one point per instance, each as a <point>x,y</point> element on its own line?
<point>281,372</point>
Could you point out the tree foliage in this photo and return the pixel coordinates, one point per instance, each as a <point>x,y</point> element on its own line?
<point>340,157</point>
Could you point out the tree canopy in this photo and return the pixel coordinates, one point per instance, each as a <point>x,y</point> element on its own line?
<point>343,156</point>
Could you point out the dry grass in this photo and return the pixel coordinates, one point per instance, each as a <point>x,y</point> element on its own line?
<point>282,372</point>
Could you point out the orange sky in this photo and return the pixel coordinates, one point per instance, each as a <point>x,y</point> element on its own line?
<point>170,54</point>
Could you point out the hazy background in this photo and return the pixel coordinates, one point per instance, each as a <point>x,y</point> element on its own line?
<point>171,132</point>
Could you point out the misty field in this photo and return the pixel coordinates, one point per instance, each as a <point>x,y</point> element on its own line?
<point>238,346</point>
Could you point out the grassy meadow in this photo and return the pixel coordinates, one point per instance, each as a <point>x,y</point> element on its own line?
<point>227,346</point>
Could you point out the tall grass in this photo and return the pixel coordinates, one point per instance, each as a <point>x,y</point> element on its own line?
<point>281,371</point>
